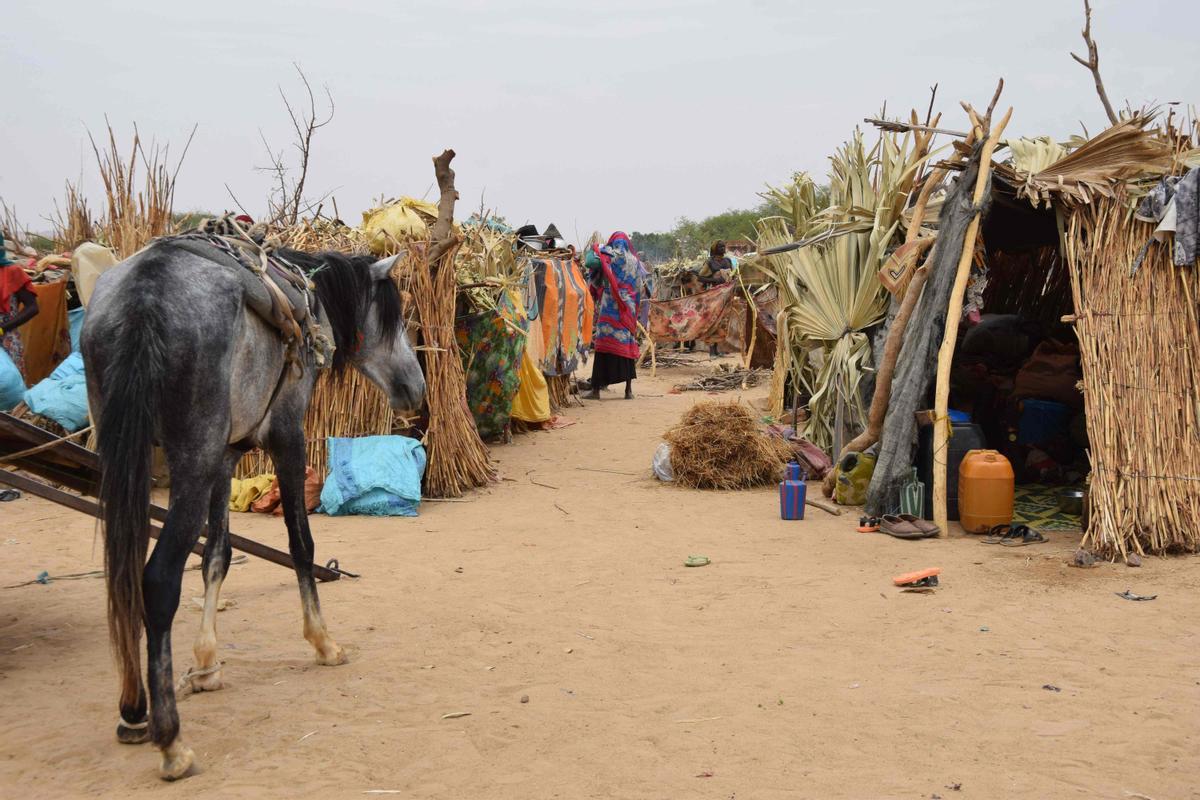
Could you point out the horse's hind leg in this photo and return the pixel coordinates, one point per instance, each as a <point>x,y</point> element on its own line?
<point>134,725</point>
<point>287,450</point>
<point>206,676</point>
<point>190,495</point>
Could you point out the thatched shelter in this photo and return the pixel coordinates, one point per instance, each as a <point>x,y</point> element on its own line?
<point>1062,240</point>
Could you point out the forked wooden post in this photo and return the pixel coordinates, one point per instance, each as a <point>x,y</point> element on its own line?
<point>941,427</point>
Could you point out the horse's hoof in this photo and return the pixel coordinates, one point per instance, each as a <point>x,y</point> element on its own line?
<point>132,734</point>
<point>177,761</point>
<point>207,683</point>
<point>333,656</point>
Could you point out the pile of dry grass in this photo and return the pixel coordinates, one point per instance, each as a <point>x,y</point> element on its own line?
<point>720,446</point>
<point>315,235</point>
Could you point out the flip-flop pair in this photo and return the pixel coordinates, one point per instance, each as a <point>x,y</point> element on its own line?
<point>906,526</point>
<point>1013,536</point>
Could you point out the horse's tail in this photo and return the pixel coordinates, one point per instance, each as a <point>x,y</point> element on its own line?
<point>132,381</point>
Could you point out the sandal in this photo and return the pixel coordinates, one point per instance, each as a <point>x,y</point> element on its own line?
<point>1023,535</point>
<point>868,524</point>
<point>998,534</point>
<point>922,577</point>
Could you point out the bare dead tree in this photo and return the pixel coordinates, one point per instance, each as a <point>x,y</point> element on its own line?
<point>286,200</point>
<point>1092,62</point>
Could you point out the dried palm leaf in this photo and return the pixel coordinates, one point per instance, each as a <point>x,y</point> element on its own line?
<point>1124,152</point>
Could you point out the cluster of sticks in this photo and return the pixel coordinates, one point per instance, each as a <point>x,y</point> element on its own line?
<point>558,387</point>
<point>725,380</point>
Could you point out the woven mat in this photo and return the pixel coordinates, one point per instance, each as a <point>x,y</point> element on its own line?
<point>1036,505</point>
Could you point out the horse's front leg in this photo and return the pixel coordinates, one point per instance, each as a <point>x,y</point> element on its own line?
<point>206,675</point>
<point>287,450</point>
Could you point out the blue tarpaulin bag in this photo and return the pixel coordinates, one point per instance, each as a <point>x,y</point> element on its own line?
<point>374,475</point>
<point>12,385</point>
<point>62,396</point>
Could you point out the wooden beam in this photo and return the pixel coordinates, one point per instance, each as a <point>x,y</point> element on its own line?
<point>82,504</point>
<point>941,425</point>
<point>86,479</point>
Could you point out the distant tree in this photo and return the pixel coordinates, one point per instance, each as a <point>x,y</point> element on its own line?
<point>185,220</point>
<point>654,247</point>
<point>691,238</point>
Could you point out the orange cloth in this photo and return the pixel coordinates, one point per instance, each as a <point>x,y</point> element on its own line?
<point>271,502</point>
<point>46,337</point>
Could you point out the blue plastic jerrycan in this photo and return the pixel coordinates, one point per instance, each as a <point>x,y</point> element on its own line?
<point>792,491</point>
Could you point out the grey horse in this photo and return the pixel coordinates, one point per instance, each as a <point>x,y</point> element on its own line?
<point>177,357</point>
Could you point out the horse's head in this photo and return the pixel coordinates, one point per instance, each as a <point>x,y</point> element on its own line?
<point>362,303</point>
<point>385,355</point>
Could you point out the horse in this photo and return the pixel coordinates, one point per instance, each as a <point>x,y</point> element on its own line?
<point>177,357</point>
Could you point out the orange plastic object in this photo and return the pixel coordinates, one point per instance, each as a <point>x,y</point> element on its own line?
<point>985,491</point>
<point>913,577</point>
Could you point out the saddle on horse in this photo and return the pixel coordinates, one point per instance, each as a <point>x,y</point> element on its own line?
<point>276,289</point>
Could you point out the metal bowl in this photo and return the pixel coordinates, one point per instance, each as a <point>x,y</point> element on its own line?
<point>1070,501</point>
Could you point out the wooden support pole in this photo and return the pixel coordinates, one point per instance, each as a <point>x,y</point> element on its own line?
<point>941,427</point>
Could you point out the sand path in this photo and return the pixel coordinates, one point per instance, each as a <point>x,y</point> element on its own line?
<point>789,667</point>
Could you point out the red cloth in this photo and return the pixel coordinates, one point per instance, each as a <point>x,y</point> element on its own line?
<point>12,280</point>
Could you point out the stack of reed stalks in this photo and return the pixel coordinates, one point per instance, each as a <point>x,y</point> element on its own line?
<point>347,406</point>
<point>73,223</point>
<point>457,457</point>
<point>1139,343</point>
<point>133,216</point>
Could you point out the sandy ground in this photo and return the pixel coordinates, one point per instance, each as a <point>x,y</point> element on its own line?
<point>789,667</point>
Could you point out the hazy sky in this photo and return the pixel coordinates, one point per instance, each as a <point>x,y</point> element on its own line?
<point>616,115</point>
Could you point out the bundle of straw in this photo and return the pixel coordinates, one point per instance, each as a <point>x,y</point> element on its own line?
<point>720,446</point>
<point>1139,337</point>
<point>135,216</point>
<point>314,235</point>
<point>349,405</point>
<point>458,459</point>
<point>73,224</point>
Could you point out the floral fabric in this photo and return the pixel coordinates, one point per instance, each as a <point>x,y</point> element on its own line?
<point>492,344</point>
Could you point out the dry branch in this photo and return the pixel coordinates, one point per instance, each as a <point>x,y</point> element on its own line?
<point>286,202</point>
<point>1092,62</point>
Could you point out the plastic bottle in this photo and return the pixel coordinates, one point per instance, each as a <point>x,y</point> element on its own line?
<point>792,491</point>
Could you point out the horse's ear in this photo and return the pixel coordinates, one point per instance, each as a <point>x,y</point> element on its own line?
<point>382,268</point>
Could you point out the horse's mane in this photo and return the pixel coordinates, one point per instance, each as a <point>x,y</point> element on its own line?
<point>346,291</point>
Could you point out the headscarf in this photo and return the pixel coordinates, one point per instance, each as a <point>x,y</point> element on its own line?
<point>620,241</point>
